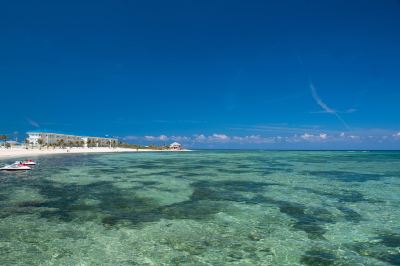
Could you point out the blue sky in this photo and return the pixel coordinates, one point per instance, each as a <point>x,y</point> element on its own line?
<point>211,74</point>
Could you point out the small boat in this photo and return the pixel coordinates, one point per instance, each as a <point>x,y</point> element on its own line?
<point>29,162</point>
<point>15,167</point>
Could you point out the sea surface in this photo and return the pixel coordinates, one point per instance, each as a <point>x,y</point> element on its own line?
<point>203,208</point>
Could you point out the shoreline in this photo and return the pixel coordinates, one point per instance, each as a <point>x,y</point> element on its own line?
<point>21,152</point>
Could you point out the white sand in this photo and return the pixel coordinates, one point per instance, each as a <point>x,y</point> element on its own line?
<point>22,152</point>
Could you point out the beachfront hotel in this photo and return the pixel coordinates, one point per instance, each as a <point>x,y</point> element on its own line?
<point>52,138</point>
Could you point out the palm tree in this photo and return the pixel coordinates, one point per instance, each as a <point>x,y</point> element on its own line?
<point>4,138</point>
<point>60,143</point>
<point>5,142</point>
<point>89,143</point>
<point>40,141</point>
<point>26,143</point>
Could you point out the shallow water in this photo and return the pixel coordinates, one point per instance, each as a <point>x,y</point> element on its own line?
<point>203,208</point>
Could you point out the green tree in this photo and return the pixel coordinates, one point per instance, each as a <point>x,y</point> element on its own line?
<point>60,143</point>
<point>40,141</point>
<point>4,138</point>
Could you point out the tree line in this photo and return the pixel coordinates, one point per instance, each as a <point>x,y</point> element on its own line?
<point>138,146</point>
<point>4,139</point>
<point>61,143</point>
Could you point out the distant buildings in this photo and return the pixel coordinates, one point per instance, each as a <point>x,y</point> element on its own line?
<point>175,146</point>
<point>36,138</point>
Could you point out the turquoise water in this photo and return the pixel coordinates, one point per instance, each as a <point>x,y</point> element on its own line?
<point>203,208</point>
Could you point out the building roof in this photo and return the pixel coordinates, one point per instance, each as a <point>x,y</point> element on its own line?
<point>44,130</point>
<point>175,144</point>
<point>41,130</point>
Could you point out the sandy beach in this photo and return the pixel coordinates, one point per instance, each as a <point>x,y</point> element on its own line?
<point>22,152</point>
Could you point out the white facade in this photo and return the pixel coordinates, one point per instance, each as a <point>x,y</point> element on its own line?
<point>175,146</point>
<point>49,138</point>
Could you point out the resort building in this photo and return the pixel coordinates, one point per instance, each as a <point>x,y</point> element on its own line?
<point>36,138</point>
<point>175,146</point>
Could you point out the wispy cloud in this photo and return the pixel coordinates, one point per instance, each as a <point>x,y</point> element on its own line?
<point>282,129</point>
<point>319,101</point>
<point>32,122</point>
<point>325,107</point>
<point>179,121</point>
<point>348,111</point>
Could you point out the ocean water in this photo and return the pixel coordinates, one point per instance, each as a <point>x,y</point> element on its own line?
<point>203,208</point>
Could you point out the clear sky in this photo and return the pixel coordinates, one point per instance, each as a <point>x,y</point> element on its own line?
<point>214,74</point>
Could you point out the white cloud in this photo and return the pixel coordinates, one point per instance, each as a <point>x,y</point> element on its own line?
<point>200,138</point>
<point>307,136</point>
<point>218,138</point>
<point>361,135</point>
<point>156,138</point>
<point>130,138</point>
<point>312,137</point>
<point>180,138</point>
<point>255,139</point>
<point>149,138</point>
<point>163,137</point>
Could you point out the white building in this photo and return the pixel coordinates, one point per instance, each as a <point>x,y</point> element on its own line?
<point>51,138</point>
<point>175,146</point>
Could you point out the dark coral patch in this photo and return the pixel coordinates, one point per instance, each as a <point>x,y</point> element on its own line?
<point>390,239</point>
<point>376,251</point>
<point>318,257</point>
<point>308,219</point>
<point>234,185</point>
<point>345,176</point>
<point>350,215</point>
